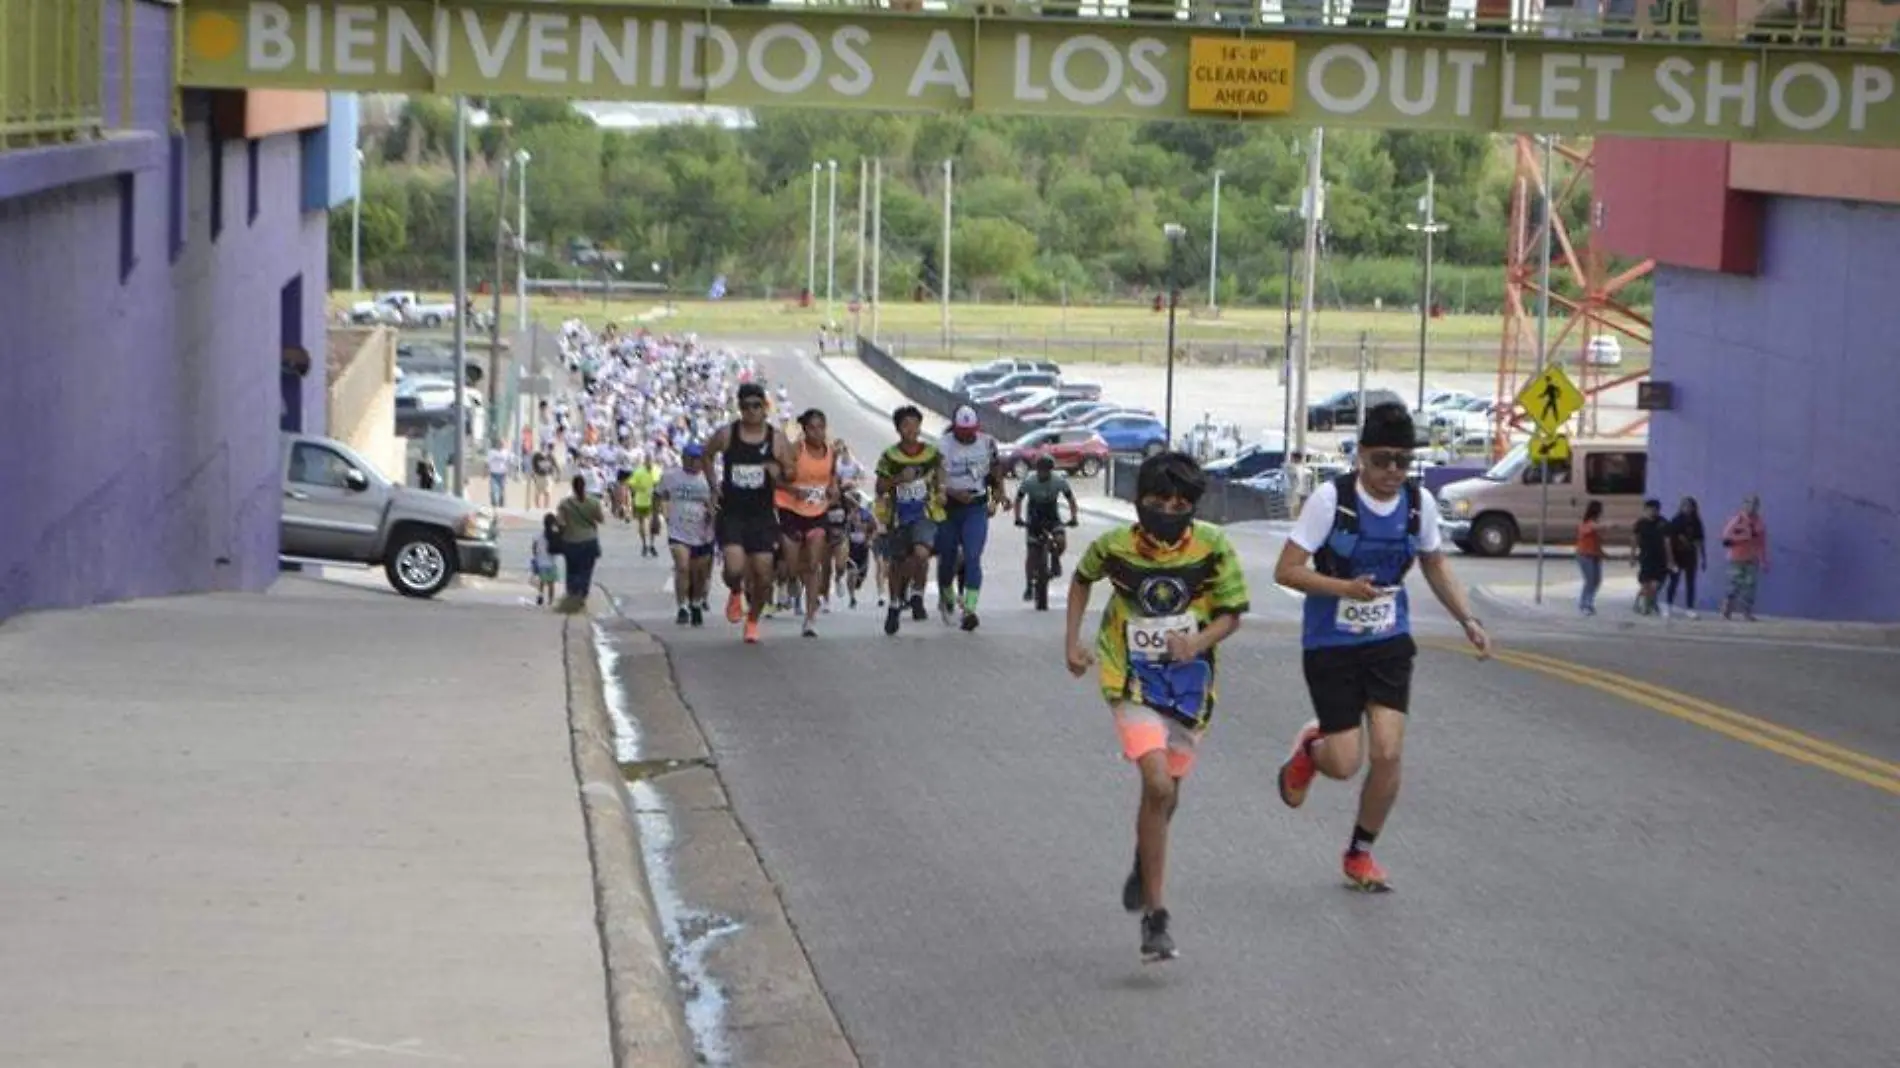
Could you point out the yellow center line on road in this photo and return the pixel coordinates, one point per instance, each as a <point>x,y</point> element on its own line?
<point>1847,763</point>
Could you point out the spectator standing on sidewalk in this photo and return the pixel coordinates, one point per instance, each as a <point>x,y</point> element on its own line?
<point>1590,556</point>
<point>1746,539</point>
<point>1688,553</point>
<point>581,517</point>
<point>500,463</point>
<point>426,476</point>
<point>1649,553</point>
<point>543,468</point>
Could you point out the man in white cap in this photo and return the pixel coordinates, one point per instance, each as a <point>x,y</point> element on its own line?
<point>973,490</point>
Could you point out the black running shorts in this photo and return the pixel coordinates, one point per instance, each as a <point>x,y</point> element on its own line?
<point>1344,681</point>
<point>753,533</point>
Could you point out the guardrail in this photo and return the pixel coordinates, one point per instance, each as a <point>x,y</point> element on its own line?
<point>933,397</point>
<point>1381,355</point>
<point>52,82</point>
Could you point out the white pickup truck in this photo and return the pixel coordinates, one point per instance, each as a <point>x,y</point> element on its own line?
<point>402,307</point>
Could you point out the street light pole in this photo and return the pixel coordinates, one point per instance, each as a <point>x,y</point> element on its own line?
<point>1213,251</point>
<point>461,291</point>
<point>356,229</point>
<point>811,239</point>
<point>1428,225</point>
<point>521,242</point>
<point>1315,209</point>
<point>857,293</point>
<point>493,377</point>
<point>943,270</point>
<point>831,242</point>
<point>877,244</point>
<point>1174,233</point>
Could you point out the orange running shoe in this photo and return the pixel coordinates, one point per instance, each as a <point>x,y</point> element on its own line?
<point>752,632</point>
<point>1296,774</point>
<point>735,607</point>
<point>1364,873</point>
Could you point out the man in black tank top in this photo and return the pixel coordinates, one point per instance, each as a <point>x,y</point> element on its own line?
<point>744,460</point>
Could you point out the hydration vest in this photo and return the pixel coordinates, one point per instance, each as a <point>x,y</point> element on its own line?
<point>1334,559</point>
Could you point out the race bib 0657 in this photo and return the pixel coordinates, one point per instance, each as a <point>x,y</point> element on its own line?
<point>1148,637</point>
<point>1376,616</point>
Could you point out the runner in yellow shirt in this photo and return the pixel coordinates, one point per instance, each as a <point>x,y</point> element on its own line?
<point>645,476</point>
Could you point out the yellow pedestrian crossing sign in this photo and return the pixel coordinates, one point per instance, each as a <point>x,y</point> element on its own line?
<point>1550,399</point>
<point>1550,449</point>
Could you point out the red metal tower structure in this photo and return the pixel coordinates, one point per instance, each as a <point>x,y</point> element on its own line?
<point>1584,297</point>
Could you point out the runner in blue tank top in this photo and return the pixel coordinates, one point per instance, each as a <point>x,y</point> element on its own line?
<point>1349,553</point>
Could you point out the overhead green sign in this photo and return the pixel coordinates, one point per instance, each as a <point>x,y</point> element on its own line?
<point>841,57</point>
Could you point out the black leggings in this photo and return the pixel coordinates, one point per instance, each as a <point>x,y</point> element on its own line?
<point>1687,577</point>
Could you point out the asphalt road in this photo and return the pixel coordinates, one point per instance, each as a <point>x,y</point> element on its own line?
<point>1588,873</point>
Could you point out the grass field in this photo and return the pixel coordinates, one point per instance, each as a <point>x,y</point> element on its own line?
<point>1105,334</point>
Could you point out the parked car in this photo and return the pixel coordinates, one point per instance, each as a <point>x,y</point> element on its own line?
<point>1250,462</point>
<point>407,308</point>
<point>983,374</point>
<point>1440,399</point>
<point>1037,399</point>
<point>986,393</point>
<point>1604,350</point>
<point>1081,452</point>
<point>1473,422</point>
<point>1342,408</point>
<point>1131,432</point>
<point>1008,399</point>
<point>339,508</point>
<point>1069,412</point>
<point>1490,514</point>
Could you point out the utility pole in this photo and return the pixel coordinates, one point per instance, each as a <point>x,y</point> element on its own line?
<point>831,243</point>
<point>494,324</point>
<point>1543,343</point>
<point>1315,209</point>
<point>857,294</point>
<point>356,229</point>
<point>1213,251</point>
<point>943,270</point>
<point>521,243</point>
<point>877,244</point>
<point>461,292</point>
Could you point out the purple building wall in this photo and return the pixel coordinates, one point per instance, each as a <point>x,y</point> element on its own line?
<point>1788,384</point>
<point>140,369</point>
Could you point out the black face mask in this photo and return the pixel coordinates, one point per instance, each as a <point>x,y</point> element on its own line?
<point>1165,527</point>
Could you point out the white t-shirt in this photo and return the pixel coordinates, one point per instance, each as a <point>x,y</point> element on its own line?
<point>1316,518</point>
<point>966,468</point>
<point>498,461</point>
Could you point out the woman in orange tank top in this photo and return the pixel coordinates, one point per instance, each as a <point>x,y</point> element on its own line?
<point>803,499</point>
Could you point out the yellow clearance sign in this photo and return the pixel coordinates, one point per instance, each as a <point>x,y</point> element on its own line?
<point>1240,76</point>
<point>873,58</point>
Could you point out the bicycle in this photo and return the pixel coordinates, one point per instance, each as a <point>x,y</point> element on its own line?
<point>1042,563</point>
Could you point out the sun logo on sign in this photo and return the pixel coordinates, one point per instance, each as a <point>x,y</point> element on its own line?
<point>1161,595</point>
<point>214,36</point>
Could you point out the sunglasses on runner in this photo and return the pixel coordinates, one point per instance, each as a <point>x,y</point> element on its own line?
<point>1390,460</point>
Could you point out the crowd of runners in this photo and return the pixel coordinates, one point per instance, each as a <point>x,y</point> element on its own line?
<point>760,491</point>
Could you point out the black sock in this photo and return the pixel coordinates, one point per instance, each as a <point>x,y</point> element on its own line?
<point>1361,840</point>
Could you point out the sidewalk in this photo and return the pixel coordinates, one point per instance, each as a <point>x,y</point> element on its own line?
<point>316,825</point>
<point>1618,594</point>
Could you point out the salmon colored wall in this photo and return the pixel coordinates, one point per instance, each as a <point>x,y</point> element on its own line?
<point>1670,201</point>
<point>262,112</point>
<point>1871,175</point>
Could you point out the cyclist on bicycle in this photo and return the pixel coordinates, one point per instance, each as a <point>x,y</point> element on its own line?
<point>1042,491</point>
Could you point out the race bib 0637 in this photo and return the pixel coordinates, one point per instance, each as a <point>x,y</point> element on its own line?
<point>1148,637</point>
<point>1376,616</point>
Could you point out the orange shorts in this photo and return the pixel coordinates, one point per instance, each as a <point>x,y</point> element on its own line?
<point>1144,731</point>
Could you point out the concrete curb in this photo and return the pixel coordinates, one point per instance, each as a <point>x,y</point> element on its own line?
<point>1711,625</point>
<point>643,1009</point>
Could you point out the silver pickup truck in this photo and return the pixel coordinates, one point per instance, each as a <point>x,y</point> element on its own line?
<point>338,507</point>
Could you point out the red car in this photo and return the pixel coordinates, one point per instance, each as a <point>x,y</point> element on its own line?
<point>1076,451</point>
